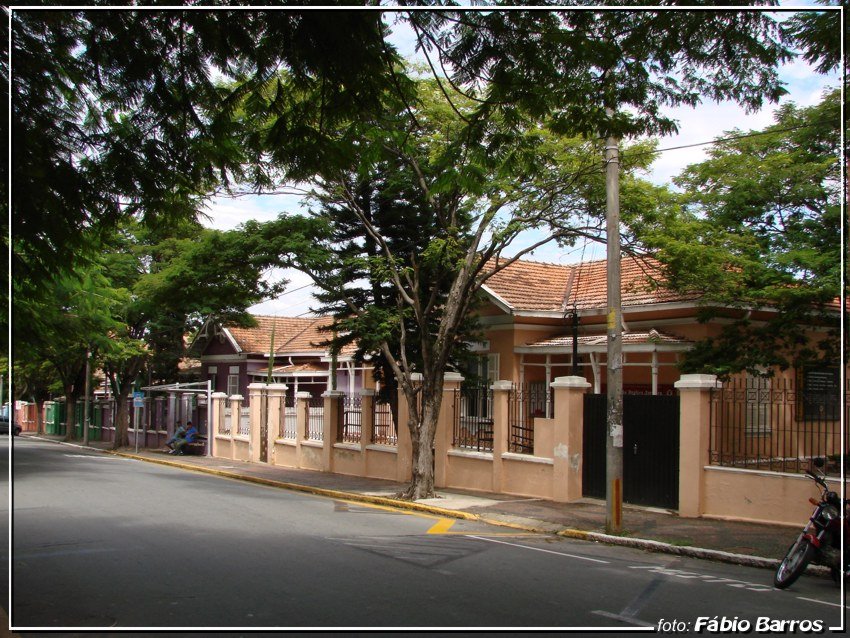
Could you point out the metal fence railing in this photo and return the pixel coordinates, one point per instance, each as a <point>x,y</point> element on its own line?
<point>244,421</point>
<point>350,424</point>
<point>524,402</point>
<point>225,417</point>
<point>288,418</point>
<point>315,419</point>
<point>383,426</point>
<point>473,418</point>
<point>777,424</point>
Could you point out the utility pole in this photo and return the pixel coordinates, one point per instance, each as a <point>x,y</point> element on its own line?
<point>86,400</point>
<point>614,367</point>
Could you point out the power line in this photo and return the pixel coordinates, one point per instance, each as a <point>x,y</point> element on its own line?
<point>730,138</point>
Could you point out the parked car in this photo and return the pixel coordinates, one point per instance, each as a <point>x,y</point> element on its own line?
<point>4,426</point>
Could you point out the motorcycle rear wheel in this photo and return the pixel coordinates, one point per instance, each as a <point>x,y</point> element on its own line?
<point>794,564</point>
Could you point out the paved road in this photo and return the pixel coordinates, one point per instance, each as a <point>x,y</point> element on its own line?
<point>104,541</point>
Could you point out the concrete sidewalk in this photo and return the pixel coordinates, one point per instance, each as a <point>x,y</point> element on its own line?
<point>753,544</point>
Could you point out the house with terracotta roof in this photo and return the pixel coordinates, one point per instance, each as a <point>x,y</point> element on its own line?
<point>233,357</point>
<point>529,333</point>
<point>527,321</point>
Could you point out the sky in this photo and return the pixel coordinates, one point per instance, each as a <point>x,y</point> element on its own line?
<point>696,125</point>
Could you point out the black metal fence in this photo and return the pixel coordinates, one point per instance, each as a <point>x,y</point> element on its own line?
<point>776,424</point>
<point>315,418</point>
<point>350,424</point>
<point>383,426</point>
<point>473,418</point>
<point>524,403</point>
<point>288,428</point>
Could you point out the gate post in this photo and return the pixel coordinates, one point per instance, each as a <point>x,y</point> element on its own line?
<point>445,428</point>
<point>275,418</point>
<point>216,422</point>
<point>694,439</point>
<point>501,392</point>
<point>235,420</point>
<point>567,440</point>
<point>255,391</point>
<point>302,407</point>
<point>367,419</point>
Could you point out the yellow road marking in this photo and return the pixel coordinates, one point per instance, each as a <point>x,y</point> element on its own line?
<point>442,526</point>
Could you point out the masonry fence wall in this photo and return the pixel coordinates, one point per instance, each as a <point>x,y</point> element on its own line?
<point>744,467</point>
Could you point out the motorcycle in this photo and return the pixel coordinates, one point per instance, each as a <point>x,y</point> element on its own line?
<point>819,542</point>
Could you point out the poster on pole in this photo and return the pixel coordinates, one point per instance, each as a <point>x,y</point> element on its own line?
<point>138,399</point>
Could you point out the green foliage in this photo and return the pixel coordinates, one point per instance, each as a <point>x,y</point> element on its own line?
<point>570,67</point>
<point>818,33</point>
<point>761,227</point>
<point>118,112</point>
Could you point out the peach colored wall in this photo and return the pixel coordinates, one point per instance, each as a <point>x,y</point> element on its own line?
<point>285,453</point>
<point>347,459</point>
<point>767,497</point>
<point>544,437</point>
<point>311,455</point>
<point>240,450</point>
<point>529,476</point>
<point>223,446</point>
<point>470,470</point>
<point>381,463</point>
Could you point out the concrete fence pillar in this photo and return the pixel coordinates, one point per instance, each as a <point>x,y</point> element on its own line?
<point>302,407</point>
<point>217,420</point>
<point>367,417</point>
<point>255,393</point>
<point>501,424</point>
<point>568,437</point>
<point>694,439</point>
<point>236,401</point>
<point>332,413</point>
<point>277,392</point>
<point>445,428</point>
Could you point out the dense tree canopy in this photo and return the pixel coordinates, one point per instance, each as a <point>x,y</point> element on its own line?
<point>119,112</point>
<point>762,226</point>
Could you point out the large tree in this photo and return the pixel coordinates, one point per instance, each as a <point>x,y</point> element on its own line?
<point>176,278</point>
<point>579,72</point>
<point>407,236</point>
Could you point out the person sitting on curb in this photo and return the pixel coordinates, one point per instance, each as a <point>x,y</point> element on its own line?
<point>178,434</point>
<point>189,436</point>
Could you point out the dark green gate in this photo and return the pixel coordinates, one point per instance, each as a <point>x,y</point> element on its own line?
<point>650,449</point>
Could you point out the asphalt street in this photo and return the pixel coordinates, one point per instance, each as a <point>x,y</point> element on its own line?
<point>101,541</point>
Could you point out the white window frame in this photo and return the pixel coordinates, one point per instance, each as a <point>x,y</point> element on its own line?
<point>232,384</point>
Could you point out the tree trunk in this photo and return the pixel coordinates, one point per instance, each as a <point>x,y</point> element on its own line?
<point>422,439</point>
<point>70,408</point>
<point>122,421</point>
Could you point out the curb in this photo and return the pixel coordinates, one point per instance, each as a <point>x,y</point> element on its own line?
<point>544,528</point>
<point>308,489</point>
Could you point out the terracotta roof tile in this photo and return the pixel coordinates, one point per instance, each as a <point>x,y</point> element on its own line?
<point>529,285</point>
<point>291,334</point>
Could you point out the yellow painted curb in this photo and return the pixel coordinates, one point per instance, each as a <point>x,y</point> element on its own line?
<point>318,491</point>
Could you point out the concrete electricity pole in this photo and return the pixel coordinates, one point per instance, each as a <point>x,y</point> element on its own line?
<point>614,367</point>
